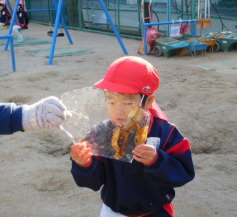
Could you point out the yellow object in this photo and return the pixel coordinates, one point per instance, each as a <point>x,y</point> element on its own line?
<point>121,133</point>
<point>3,27</point>
<point>207,23</point>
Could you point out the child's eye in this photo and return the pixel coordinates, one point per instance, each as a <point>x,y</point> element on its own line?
<point>110,103</point>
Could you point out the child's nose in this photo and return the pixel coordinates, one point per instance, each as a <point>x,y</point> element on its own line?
<point>120,111</point>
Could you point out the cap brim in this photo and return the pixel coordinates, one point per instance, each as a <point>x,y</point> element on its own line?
<point>114,87</point>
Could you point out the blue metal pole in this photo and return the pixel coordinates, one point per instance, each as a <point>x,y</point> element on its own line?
<point>171,22</point>
<point>193,13</point>
<point>12,54</point>
<point>145,25</point>
<point>35,10</point>
<point>10,37</point>
<point>144,38</point>
<point>11,25</point>
<point>194,28</point>
<point>63,23</point>
<point>66,30</point>
<point>55,32</point>
<point>113,27</point>
<point>9,6</point>
<point>168,16</point>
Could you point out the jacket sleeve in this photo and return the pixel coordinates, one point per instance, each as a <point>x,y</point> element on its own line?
<point>174,166</point>
<point>26,18</point>
<point>91,177</point>
<point>10,118</point>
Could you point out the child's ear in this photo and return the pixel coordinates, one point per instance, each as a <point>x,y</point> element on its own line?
<point>149,101</point>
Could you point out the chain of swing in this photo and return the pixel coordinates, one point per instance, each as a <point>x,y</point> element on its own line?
<point>50,32</point>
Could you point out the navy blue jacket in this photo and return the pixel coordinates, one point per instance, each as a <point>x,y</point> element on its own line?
<point>23,18</point>
<point>5,16</point>
<point>135,189</point>
<point>10,118</point>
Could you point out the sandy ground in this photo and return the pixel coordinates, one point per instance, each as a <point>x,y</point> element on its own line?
<point>35,167</point>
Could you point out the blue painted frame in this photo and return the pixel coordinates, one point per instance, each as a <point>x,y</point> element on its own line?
<point>10,37</point>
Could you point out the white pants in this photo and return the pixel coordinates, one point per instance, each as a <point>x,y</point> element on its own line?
<point>107,212</point>
<point>17,29</point>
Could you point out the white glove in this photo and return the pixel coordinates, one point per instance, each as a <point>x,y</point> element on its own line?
<point>47,113</point>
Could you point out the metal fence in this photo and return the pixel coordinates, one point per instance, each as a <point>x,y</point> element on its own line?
<point>127,14</point>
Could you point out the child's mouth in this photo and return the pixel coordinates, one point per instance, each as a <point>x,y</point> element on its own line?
<point>119,121</point>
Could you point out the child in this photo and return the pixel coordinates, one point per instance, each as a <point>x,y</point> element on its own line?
<point>5,16</point>
<point>144,187</point>
<point>23,22</point>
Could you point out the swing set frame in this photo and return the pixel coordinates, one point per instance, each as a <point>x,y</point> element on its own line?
<point>59,21</point>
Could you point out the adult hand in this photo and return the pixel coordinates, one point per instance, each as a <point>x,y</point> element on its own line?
<point>145,154</point>
<point>81,154</point>
<point>47,113</point>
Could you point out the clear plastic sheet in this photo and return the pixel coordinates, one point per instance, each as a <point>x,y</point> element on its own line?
<point>90,121</point>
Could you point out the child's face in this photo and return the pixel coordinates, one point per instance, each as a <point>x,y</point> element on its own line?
<point>119,105</point>
<point>1,7</point>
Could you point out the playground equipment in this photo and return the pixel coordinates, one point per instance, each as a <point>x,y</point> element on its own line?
<point>50,32</point>
<point>145,26</point>
<point>59,18</point>
<point>214,40</point>
<point>195,46</point>
<point>152,33</point>
<point>203,20</point>
<point>209,39</point>
<point>227,41</point>
<point>146,11</point>
<point>169,46</point>
<point>10,37</point>
<point>113,26</point>
<point>59,21</point>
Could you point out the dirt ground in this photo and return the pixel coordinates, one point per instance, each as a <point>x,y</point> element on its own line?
<point>35,166</point>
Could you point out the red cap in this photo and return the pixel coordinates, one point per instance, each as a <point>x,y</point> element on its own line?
<point>130,75</point>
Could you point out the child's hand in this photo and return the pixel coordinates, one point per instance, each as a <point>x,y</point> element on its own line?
<point>81,153</point>
<point>145,154</point>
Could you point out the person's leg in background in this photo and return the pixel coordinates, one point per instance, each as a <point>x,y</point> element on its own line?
<point>18,30</point>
